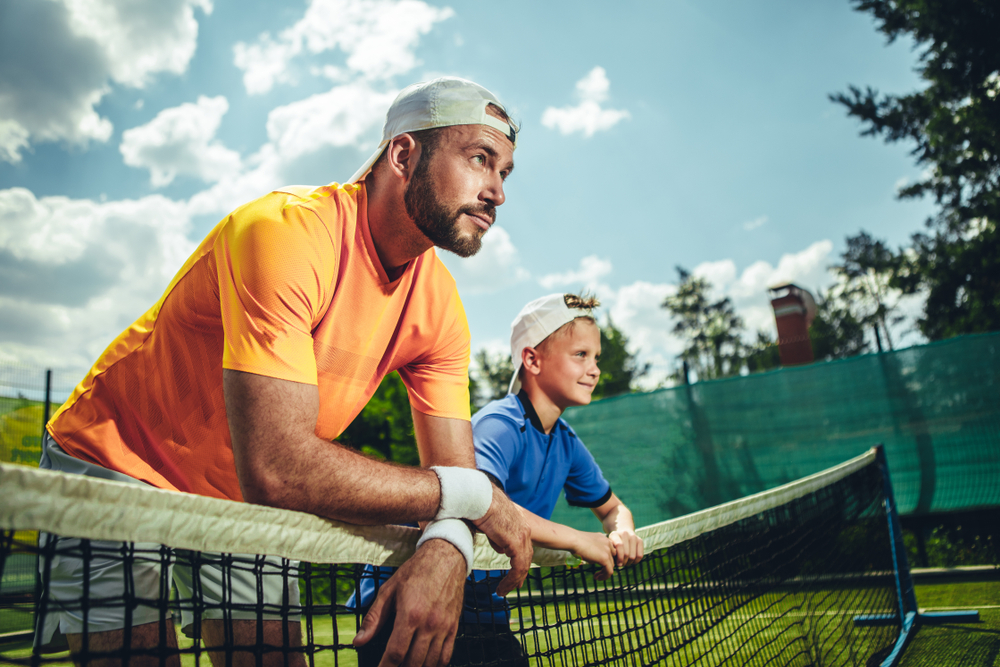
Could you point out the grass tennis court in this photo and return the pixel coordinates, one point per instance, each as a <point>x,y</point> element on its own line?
<point>966,645</point>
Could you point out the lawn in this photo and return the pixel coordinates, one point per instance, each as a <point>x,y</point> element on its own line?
<point>968,644</point>
<point>775,629</point>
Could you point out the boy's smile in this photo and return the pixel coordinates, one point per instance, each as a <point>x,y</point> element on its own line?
<point>569,369</point>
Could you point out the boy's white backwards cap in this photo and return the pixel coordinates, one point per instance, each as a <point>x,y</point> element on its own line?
<point>536,322</point>
<point>439,103</point>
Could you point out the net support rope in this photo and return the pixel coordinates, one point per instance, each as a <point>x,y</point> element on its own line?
<point>90,508</point>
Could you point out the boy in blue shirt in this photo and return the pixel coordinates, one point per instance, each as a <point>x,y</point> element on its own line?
<point>527,449</point>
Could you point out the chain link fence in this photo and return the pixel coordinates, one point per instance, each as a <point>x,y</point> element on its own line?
<point>28,396</point>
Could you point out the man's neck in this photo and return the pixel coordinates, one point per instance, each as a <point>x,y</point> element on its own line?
<point>396,238</point>
<point>548,412</point>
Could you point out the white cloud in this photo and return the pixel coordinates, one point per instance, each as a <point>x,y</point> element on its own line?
<point>13,140</point>
<point>496,266</point>
<point>338,118</point>
<point>592,269</point>
<point>378,38</point>
<point>636,308</point>
<point>751,225</point>
<point>180,140</point>
<point>749,291</point>
<point>719,273</point>
<point>74,273</point>
<point>587,117</point>
<point>140,38</point>
<point>65,54</point>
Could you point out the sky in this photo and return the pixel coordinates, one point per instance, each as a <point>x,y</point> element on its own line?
<point>691,133</point>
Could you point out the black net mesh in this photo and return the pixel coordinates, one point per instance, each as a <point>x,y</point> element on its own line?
<point>789,585</point>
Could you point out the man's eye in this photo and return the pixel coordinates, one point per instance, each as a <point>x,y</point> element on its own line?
<point>481,159</point>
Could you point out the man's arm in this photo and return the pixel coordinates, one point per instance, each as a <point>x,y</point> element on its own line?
<point>618,524</point>
<point>282,463</point>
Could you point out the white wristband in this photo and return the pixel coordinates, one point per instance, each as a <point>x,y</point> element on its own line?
<point>465,493</point>
<point>454,531</point>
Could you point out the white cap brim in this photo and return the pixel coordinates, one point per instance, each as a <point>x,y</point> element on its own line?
<point>369,163</point>
<point>537,321</point>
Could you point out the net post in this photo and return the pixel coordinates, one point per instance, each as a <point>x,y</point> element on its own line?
<point>901,570</point>
<point>904,583</point>
<point>48,399</point>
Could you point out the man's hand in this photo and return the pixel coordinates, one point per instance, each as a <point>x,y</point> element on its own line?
<point>628,547</point>
<point>596,548</point>
<point>426,593</point>
<point>509,534</point>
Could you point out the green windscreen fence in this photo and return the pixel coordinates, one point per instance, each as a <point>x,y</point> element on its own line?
<point>936,408</point>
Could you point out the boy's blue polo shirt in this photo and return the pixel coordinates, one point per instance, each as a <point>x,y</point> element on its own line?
<point>532,467</point>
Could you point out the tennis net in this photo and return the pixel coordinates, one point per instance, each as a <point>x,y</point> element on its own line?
<point>784,577</point>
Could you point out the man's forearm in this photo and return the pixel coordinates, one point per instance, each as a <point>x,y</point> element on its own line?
<point>282,463</point>
<point>330,480</point>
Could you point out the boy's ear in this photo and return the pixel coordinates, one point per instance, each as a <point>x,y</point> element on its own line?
<point>531,360</point>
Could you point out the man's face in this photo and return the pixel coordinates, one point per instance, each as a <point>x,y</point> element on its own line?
<point>452,196</point>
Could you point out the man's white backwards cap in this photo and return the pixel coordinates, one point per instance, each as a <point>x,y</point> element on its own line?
<point>536,322</point>
<point>439,103</point>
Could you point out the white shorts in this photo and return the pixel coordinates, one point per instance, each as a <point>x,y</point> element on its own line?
<point>227,586</point>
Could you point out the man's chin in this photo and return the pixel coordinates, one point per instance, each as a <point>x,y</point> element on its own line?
<point>466,247</point>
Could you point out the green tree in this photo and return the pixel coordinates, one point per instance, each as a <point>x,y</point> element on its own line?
<point>836,331</point>
<point>493,376</point>
<point>619,368</point>
<point>866,291</point>
<point>711,328</point>
<point>384,429</point>
<point>954,125</point>
<point>763,355</point>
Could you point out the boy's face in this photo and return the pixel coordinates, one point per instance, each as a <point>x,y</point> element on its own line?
<point>569,359</point>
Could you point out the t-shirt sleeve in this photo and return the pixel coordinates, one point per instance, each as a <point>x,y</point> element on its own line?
<point>437,378</point>
<point>275,266</point>
<point>498,444</point>
<point>585,485</point>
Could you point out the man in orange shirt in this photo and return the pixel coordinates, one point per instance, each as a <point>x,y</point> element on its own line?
<point>271,339</point>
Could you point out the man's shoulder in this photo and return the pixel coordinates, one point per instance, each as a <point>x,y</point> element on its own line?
<point>327,202</point>
<point>324,199</point>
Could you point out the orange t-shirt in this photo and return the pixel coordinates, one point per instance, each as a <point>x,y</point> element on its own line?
<point>288,286</point>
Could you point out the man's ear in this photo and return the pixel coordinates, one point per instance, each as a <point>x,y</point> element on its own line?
<point>531,360</point>
<point>401,155</point>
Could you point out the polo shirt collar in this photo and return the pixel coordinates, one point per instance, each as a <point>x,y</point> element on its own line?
<point>529,411</point>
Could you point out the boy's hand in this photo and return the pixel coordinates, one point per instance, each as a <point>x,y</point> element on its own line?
<point>628,547</point>
<point>596,548</point>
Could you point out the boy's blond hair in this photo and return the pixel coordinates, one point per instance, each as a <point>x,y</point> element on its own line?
<point>583,302</point>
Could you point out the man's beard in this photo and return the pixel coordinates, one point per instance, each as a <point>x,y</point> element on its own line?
<point>435,220</point>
